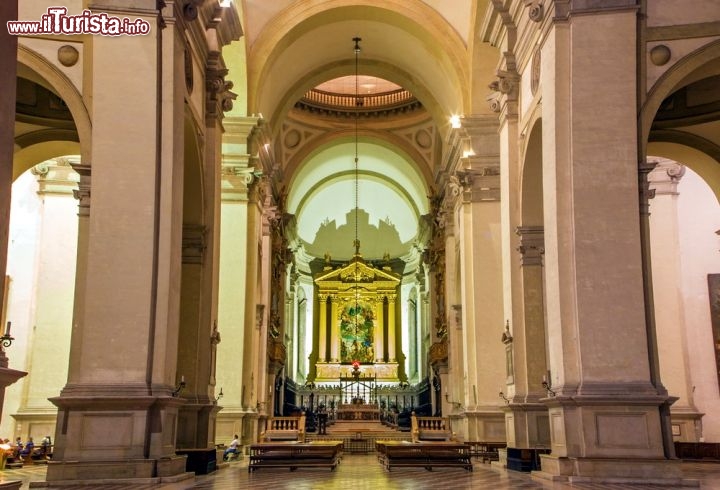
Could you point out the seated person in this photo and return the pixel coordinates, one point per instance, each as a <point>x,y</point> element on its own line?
<point>17,447</point>
<point>45,446</point>
<point>232,448</point>
<point>28,449</point>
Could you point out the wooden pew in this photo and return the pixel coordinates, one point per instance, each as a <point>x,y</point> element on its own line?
<point>426,455</point>
<point>284,429</point>
<point>294,455</point>
<point>430,429</point>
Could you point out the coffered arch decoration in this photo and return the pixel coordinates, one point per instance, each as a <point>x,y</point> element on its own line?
<point>416,41</point>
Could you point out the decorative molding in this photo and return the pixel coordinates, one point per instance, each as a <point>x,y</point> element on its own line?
<point>82,193</point>
<point>660,55</point>
<point>277,355</point>
<point>505,83</point>
<point>646,193</point>
<point>238,177</point>
<point>664,178</point>
<point>535,68</point>
<point>493,101</point>
<point>193,244</point>
<point>68,55</point>
<point>536,11</point>
<point>564,9</point>
<point>532,244</point>
<point>55,177</point>
<point>218,97</point>
<point>506,88</point>
<point>481,183</point>
<point>438,355</point>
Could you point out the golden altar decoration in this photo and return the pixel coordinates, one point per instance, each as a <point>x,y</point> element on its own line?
<point>357,310</point>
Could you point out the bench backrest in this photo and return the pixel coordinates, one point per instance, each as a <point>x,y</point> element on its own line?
<point>284,429</point>
<point>430,429</point>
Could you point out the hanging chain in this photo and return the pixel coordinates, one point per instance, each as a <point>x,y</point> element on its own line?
<point>356,244</point>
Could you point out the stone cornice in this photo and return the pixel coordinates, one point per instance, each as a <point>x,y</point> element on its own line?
<point>564,9</point>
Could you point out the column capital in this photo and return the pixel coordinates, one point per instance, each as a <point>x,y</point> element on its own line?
<point>55,176</point>
<point>82,193</point>
<point>237,177</point>
<point>532,244</point>
<point>505,87</point>
<point>646,193</point>
<point>480,181</point>
<point>218,96</point>
<point>664,178</point>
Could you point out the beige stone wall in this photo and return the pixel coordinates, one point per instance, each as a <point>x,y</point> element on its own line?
<point>698,215</point>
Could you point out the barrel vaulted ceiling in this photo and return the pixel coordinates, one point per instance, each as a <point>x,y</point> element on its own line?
<point>425,47</point>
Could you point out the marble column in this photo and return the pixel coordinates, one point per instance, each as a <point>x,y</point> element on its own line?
<point>252,320</point>
<point>8,59</point>
<point>667,275</point>
<point>49,342</point>
<point>380,333</point>
<point>322,327</point>
<point>237,177</point>
<point>125,334</point>
<point>524,339</point>
<point>476,187</point>
<point>334,329</point>
<point>392,326</point>
<point>526,419</point>
<point>607,403</point>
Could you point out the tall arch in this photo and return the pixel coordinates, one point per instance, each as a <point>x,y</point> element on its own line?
<point>66,90</point>
<point>419,30</point>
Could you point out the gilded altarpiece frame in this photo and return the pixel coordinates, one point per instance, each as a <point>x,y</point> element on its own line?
<point>356,321</point>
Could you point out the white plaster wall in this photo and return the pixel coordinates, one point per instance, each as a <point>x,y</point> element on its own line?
<point>405,290</point>
<point>22,269</point>
<point>699,219</point>
<point>306,284</point>
<point>231,301</point>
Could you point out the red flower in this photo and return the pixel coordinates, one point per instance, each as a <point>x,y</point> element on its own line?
<point>356,364</point>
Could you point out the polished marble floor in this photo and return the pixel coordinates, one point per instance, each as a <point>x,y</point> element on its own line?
<point>363,472</point>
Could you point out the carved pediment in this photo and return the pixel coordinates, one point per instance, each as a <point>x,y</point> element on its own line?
<point>357,271</point>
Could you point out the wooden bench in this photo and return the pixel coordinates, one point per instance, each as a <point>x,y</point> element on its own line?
<point>430,429</point>
<point>284,429</point>
<point>426,455</point>
<point>294,455</point>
